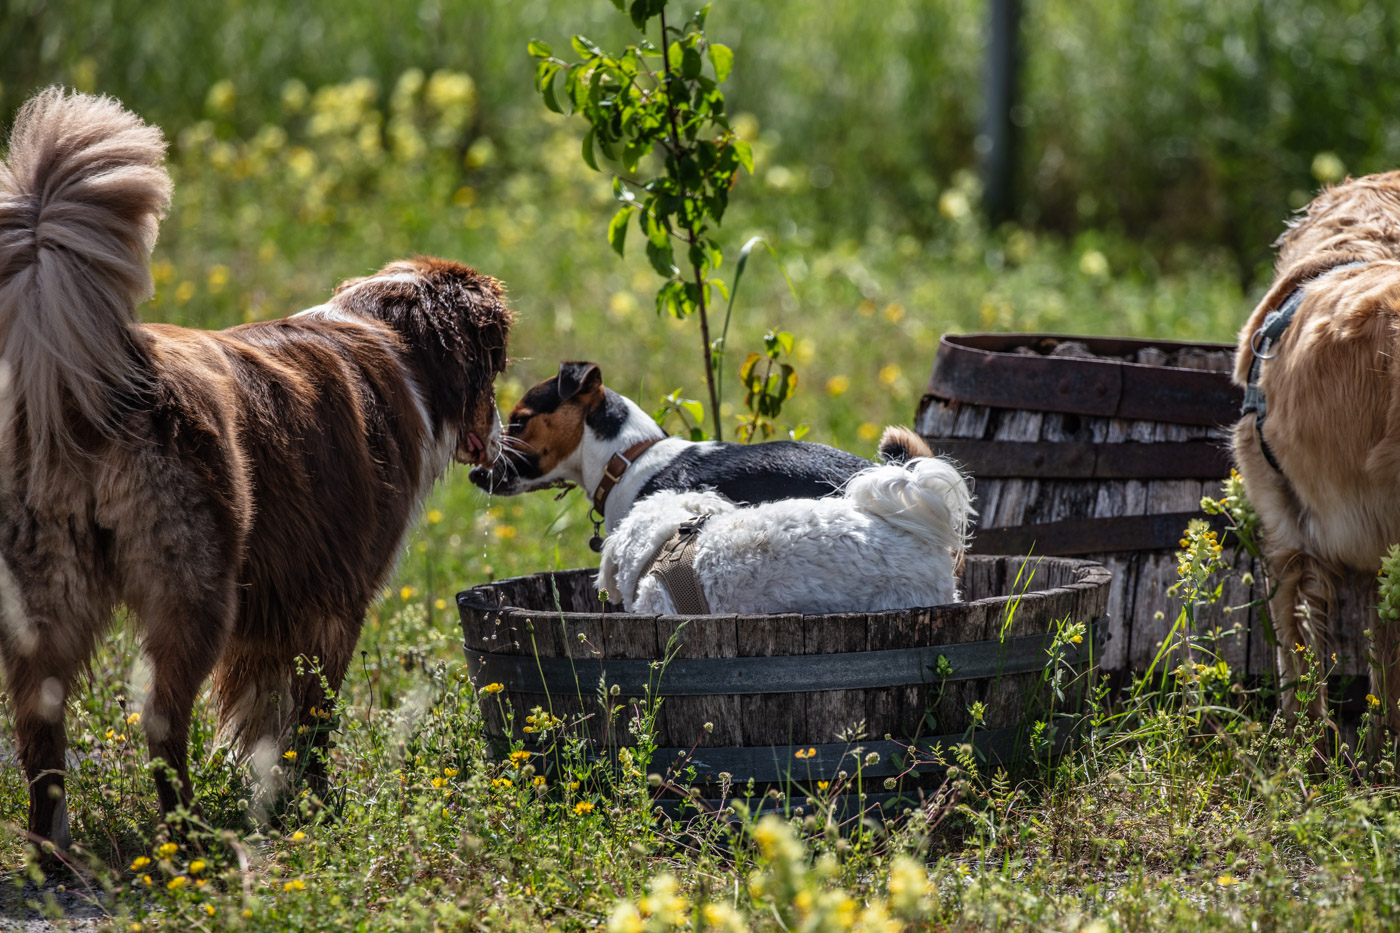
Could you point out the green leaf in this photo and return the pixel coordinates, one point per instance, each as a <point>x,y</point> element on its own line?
<point>746,372</point>
<point>640,13</point>
<point>588,150</point>
<point>722,58</point>
<point>690,63</point>
<point>787,384</point>
<point>656,231</point>
<point>662,258</point>
<point>744,152</point>
<point>586,47</point>
<point>622,193</point>
<point>617,229</point>
<point>539,48</point>
<point>547,89</point>
<point>693,408</point>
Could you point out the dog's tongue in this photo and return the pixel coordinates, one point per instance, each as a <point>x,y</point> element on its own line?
<point>474,443</point>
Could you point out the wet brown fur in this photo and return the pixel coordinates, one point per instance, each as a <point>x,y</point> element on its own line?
<point>244,491</point>
<point>1333,424</point>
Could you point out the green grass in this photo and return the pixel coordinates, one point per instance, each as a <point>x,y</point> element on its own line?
<point>1188,806</point>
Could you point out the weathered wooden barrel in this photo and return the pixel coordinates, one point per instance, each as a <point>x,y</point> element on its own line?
<point>784,700</point>
<point>1098,448</point>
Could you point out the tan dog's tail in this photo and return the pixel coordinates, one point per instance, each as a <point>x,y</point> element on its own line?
<point>900,445</point>
<point>82,191</point>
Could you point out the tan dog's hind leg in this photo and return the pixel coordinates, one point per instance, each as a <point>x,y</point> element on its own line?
<point>1301,609</point>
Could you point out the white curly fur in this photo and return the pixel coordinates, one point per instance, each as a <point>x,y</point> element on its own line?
<point>888,543</point>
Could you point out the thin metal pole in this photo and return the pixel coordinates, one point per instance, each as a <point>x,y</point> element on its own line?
<point>998,142</point>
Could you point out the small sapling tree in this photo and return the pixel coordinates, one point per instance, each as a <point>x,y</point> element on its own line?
<point>662,101</point>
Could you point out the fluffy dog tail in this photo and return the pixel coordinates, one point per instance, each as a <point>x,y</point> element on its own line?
<point>900,445</point>
<point>927,497</point>
<point>82,191</point>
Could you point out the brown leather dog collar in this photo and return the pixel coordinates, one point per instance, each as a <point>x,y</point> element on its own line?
<point>617,465</point>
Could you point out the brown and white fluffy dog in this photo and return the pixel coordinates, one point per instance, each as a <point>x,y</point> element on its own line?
<point>244,492</point>
<point>1330,501</point>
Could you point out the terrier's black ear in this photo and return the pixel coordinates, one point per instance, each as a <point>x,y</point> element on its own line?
<point>577,377</point>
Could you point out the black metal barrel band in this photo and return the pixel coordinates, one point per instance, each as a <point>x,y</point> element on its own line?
<point>1091,535</point>
<point>852,670</point>
<point>1073,460</point>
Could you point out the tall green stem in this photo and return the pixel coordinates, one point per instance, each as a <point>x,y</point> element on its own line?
<point>691,238</point>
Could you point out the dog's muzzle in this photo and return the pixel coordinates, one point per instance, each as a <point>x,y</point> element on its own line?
<point>502,476</point>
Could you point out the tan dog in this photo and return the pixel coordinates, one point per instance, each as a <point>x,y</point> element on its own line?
<point>245,491</point>
<point>1322,464</point>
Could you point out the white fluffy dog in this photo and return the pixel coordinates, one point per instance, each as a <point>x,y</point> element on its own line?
<point>890,542</point>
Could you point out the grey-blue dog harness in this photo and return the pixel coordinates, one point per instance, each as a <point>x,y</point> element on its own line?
<point>1262,344</point>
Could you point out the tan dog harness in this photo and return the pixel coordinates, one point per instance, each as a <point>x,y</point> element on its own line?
<point>674,566</point>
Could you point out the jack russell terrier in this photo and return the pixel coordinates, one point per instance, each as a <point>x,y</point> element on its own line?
<point>573,431</point>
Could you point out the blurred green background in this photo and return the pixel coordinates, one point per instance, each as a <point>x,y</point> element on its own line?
<point>1163,146</point>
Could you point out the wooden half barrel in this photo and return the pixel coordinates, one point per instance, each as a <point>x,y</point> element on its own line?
<point>1098,448</point>
<point>788,698</point>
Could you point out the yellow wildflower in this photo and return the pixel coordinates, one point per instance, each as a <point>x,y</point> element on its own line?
<point>1372,700</point>
<point>290,754</point>
<point>493,688</point>
<point>625,919</point>
<point>209,909</point>
<point>518,758</point>
<point>176,883</point>
<point>297,836</point>
<point>1227,879</point>
<point>296,884</point>
<point>133,719</point>
<point>450,772</point>
<point>582,807</point>
<point>167,850</point>
<point>140,863</point>
<point>434,516</point>
<point>196,866</point>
